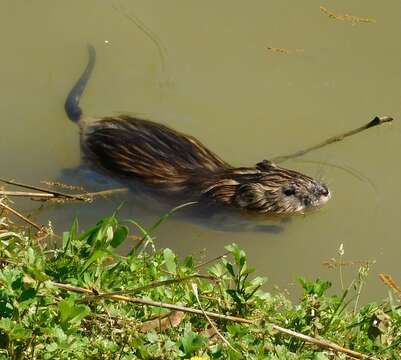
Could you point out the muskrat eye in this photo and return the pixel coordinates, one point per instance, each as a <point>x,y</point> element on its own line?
<point>289,191</point>
<point>325,191</point>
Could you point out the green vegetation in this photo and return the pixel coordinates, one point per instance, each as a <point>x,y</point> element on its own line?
<point>41,319</point>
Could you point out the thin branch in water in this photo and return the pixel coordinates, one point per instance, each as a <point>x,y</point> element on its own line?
<point>64,186</point>
<point>55,193</point>
<point>375,122</point>
<point>27,194</point>
<point>105,193</point>
<point>318,342</point>
<point>16,213</point>
<point>284,50</point>
<point>350,18</point>
<point>49,196</point>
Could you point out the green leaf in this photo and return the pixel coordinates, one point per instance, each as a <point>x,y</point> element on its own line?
<point>34,272</point>
<point>188,262</point>
<point>235,296</point>
<point>6,324</point>
<point>192,342</point>
<point>239,255</point>
<point>71,313</point>
<point>52,347</point>
<point>97,254</point>
<point>18,332</point>
<point>89,233</point>
<point>314,288</point>
<point>28,294</point>
<point>163,218</point>
<point>68,237</point>
<point>229,267</point>
<point>120,235</point>
<point>146,237</point>
<point>320,356</point>
<point>169,258</point>
<point>13,330</point>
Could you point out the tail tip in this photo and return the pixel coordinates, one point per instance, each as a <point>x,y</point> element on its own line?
<point>74,113</point>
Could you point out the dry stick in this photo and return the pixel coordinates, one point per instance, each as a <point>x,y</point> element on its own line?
<point>27,194</point>
<point>43,195</point>
<point>320,343</point>
<point>16,213</point>
<point>107,192</point>
<point>375,122</point>
<point>55,193</point>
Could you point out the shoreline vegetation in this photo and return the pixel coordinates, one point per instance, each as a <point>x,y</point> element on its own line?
<point>74,297</point>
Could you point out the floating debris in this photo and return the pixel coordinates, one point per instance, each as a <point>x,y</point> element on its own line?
<point>62,185</point>
<point>334,263</point>
<point>350,18</point>
<point>284,51</point>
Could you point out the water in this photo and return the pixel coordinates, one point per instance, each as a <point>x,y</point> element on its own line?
<point>205,69</point>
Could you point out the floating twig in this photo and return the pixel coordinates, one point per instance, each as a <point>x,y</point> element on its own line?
<point>51,195</point>
<point>43,190</point>
<point>27,194</point>
<point>16,213</point>
<point>375,122</point>
<point>334,263</point>
<point>105,193</point>
<point>63,186</point>
<point>284,50</point>
<point>322,343</point>
<point>350,18</point>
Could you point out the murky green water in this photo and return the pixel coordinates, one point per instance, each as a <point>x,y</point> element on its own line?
<point>204,68</point>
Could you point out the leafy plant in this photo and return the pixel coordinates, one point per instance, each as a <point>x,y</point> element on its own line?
<point>40,320</point>
<point>243,289</point>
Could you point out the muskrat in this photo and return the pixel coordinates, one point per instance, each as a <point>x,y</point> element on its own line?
<point>173,163</point>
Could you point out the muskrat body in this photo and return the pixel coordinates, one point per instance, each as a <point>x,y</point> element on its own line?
<point>176,164</point>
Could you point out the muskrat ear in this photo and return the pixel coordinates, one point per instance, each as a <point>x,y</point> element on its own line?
<point>265,165</point>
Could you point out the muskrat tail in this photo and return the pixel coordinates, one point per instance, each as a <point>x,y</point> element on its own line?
<point>71,104</point>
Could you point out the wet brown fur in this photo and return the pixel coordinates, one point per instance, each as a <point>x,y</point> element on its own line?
<point>175,163</point>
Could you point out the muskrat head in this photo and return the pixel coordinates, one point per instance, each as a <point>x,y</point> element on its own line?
<point>281,191</point>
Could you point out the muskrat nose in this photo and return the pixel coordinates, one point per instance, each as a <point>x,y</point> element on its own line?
<point>325,190</point>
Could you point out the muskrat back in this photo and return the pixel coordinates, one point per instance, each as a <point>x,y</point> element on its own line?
<point>173,163</point>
